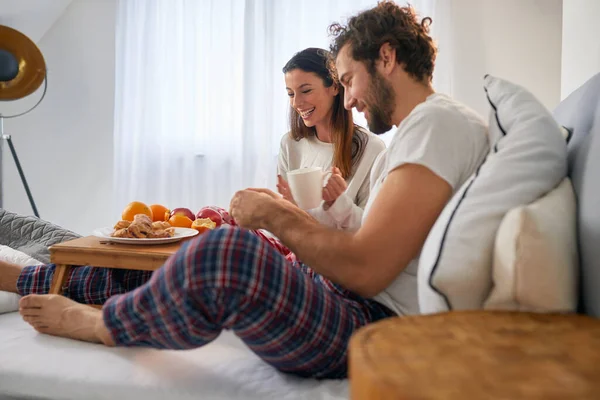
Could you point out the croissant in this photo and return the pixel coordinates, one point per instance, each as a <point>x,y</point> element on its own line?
<point>122,233</point>
<point>122,224</point>
<point>141,226</point>
<point>142,219</point>
<point>160,225</point>
<point>159,234</point>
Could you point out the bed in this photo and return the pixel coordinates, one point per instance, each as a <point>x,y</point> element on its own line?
<point>44,367</point>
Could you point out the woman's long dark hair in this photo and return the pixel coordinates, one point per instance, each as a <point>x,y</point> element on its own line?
<point>348,140</point>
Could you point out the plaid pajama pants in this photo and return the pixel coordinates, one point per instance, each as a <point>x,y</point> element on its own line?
<point>229,278</point>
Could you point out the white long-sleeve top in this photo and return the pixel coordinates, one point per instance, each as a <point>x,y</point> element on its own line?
<point>346,212</point>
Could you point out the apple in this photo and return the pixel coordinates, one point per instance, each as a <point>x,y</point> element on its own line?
<point>203,224</point>
<point>186,212</point>
<point>212,214</point>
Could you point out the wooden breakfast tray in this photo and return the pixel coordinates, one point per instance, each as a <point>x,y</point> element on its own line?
<point>92,250</point>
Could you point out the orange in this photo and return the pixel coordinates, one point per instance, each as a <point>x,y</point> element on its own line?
<point>180,221</point>
<point>203,224</point>
<point>134,208</point>
<point>160,212</point>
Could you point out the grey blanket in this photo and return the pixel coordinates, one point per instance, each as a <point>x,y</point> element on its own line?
<point>31,235</point>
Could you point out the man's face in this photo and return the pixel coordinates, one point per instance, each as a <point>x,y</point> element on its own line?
<point>369,93</point>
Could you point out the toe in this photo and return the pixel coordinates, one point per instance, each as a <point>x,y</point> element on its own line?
<point>31,320</point>
<point>29,312</point>
<point>35,322</point>
<point>31,301</point>
<point>41,328</point>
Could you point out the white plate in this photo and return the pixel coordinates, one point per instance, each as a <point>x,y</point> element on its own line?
<point>180,233</point>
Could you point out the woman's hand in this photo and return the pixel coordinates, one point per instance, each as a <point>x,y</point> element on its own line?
<point>284,189</point>
<point>336,185</point>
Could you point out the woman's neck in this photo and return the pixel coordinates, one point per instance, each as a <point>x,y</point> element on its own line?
<point>323,133</point>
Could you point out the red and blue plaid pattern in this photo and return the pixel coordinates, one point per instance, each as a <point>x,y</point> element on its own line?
<point>276,243</point>
<point>231,279</point>
<point>88,285</point>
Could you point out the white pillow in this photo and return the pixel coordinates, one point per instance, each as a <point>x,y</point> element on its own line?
<point>528,159</point>
<point>9,302</point>
<point>535,255</point>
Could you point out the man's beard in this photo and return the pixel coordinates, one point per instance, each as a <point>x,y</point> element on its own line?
<point>381,104</point>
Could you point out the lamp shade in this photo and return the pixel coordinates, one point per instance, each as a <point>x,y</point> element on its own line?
<point>31,68</point>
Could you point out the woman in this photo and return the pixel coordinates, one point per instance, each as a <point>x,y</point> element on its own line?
<point>322,134</point>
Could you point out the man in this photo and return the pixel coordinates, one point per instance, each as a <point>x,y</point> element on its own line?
<point>296,318</point>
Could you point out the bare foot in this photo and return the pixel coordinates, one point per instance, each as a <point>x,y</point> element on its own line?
<point>59,316</point>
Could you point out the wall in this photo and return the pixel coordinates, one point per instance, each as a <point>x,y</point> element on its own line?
<point>518,40</point>
<point>581,47</point>
<point>65,145</point>
<point>32,17</point>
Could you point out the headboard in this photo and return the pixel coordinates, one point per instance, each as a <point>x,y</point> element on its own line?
<point>580,113</point>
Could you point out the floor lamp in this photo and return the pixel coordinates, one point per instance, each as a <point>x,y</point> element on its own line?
<point>22,71</point>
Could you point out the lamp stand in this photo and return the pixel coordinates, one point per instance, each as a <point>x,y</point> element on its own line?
<point>11,146</point>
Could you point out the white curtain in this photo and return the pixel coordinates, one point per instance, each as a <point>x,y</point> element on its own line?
<point>200,102</point>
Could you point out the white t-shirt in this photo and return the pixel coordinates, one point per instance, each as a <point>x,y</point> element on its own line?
<point>311,152</point>
<point>449,139</point>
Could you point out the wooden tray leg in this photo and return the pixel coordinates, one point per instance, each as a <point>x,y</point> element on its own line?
<point>60,276</point>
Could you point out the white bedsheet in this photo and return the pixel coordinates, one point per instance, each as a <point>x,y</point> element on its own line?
<point>41,366</point>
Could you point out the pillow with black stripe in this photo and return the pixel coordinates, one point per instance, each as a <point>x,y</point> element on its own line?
<point>528,158</point>
<point>566,132</point>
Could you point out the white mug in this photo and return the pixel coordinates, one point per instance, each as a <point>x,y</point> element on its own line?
<point>306,185</point>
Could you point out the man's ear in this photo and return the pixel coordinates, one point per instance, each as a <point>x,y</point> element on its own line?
<point>387,58</point>
<point>336,88</point>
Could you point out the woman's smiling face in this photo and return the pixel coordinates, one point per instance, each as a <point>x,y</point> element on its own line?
<point>309,96</point>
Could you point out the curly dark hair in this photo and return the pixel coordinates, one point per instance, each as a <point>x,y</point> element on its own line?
<point>389,23</point>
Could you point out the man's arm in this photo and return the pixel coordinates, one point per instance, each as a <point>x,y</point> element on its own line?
<point>366,262</point>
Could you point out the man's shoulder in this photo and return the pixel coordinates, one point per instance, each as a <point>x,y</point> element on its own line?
<point>443,115</point>
<point>444,109</point>
<point>443,120</point>
<point>373,142</point>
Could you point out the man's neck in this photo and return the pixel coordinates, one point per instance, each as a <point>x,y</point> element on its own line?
<point>413,93</point>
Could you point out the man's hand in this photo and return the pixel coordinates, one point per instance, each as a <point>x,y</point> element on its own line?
<point>250,207</point>
<point>366,262</point>
<point>336,185</point>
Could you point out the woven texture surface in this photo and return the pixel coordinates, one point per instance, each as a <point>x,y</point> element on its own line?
<point>477,355</point>
<point>31,235</point>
